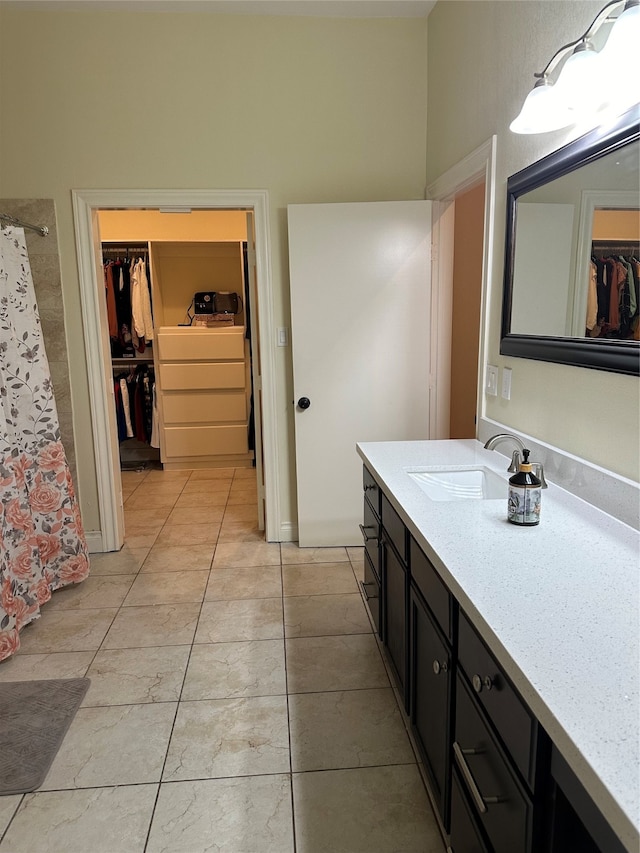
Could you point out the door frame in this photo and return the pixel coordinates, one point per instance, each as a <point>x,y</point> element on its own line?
<point>478,166</point>
<point>86,203</point>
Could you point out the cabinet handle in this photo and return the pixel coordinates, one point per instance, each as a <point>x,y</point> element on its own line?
<point>370,487</point>
<point>367,538</point>
<point>479,683</point>
<point>440,667</point>
<point>364,591</point>
<point>461,761</point>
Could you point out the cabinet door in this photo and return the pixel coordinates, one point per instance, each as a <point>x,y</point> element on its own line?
<point>431,685</point>
<point>395,613</point>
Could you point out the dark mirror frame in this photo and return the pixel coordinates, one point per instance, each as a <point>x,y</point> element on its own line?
<point>611,355</point>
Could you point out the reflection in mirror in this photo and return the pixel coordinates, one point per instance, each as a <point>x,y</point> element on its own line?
<point>572,272</point>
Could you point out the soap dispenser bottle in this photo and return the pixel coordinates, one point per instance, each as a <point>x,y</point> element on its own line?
<point>524,495</point>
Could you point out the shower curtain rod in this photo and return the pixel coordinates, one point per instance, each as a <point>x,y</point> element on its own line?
<point>41,229</point>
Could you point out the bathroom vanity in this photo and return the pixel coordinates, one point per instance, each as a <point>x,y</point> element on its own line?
<point>515,650</point>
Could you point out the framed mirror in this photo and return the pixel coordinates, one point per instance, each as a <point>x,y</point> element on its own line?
<point>572,264</point>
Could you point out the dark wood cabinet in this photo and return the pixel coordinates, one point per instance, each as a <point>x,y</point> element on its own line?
<point>495,778</point>
<point>430,679</point>
<point>395,596</point>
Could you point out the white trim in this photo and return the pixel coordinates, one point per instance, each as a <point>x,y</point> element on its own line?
<point>590,201</point>
<point>94,541</point>
<point>478,166</point>
<point>85,202</point>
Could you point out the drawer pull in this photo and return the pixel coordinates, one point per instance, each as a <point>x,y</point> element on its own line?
<point>440,667</point>
<point>479,683</point>
<point>480,801</point>
<point>365,536</point>
<point>364,591</point>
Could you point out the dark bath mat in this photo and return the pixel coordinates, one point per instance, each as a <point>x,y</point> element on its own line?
<point>34,718</point>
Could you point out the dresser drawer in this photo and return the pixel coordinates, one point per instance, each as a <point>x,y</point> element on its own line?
<point>199,407</point>
<point>182,377</point>
<point>433,590</point>
<point>501,805</point>
<point>371,491</point>
<point>394,528</point>
<point>514,723</point>
<point>205,440</point>
<point>200,344</point>
<point>371,535</point>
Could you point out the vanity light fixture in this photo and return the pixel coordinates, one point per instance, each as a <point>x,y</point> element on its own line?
<point>580,81</point>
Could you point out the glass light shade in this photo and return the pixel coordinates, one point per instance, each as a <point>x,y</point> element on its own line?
<point>621,59</point>
<point>580,85</point>
<point>542,111</point>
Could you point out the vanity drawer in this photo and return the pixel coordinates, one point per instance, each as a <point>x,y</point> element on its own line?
<point>371,534</point>
<point>394,528</point>
<point>501,805</point>
<point>371,491</point>
<point>432,588</point>
<point>371,591</point>
<point>514,723</point>
<point>466,837</point>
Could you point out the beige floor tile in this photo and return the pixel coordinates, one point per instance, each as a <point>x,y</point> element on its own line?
<point>8,806</point>
<point>221,488</point>
<point>242,814</point>
<point>194,534</point>
<point>322,615</point>
<point>229,737</point>
<point>353,728</point>
<point>229,670</point>
<point>100,820</point>
<point>202,499</point>
<point>212,474</point>
<point>99,740</point>
<point>241,554</point>
<point>319,664</point>
<point>139,517</point>
<point>98,591</point>
<point>127,561</point>
<point>235,513</point>
<point>151,500</point>
<point>135,676</point>
<point>318,579</point>
<point>374,809</point>
<point>67,631</point>
<point>245,619</point>
<point>162,625</point>
<point>25,667</point>
<point>167,588</point>
<point>196,515</point>
<point>244,473</point>
<point>175,477</point>
<point>175,558</point>
<point>356,558</point>
<point>292,554</point>
<point>137,539</point>
<point>243,531</point>
<point>252,582</point>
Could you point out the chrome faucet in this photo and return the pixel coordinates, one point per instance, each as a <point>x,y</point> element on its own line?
<point>492,443</point>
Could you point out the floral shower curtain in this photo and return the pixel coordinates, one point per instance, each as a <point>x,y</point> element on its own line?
<point>42,544</point>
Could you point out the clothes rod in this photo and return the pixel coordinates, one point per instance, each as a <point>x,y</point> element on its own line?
<point>41,229</point>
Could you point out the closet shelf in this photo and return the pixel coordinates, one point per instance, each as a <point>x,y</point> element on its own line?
<point>121,362</point>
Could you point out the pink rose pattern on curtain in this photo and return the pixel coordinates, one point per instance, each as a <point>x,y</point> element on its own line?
<point>42,543</point>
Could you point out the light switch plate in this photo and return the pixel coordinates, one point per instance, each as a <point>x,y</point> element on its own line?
<point>492,380</point>
<point>283,337</point>
<point>506,383</point>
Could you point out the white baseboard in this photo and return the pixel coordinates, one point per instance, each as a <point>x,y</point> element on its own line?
<point>288,532</point>
<point>94,541</point>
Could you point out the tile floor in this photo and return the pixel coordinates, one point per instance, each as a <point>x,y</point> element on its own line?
<point>238,701</point>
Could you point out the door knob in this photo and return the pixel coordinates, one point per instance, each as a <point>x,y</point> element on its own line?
<point>304,403</point>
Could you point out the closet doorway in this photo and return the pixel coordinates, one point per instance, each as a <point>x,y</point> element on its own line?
<point>111,218</point>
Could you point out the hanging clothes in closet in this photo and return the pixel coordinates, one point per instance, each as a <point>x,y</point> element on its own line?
<point>127,289</point>
<point>136,410</point>
<point>613,303</point>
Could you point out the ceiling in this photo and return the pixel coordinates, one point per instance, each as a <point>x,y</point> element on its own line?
<point>310,8</point>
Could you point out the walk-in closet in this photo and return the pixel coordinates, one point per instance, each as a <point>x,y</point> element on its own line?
<point>176,290</point>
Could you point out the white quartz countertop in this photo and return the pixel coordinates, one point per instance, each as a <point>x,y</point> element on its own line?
<point>558,603</point>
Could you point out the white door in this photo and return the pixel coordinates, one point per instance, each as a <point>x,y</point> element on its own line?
<point>360,309</point>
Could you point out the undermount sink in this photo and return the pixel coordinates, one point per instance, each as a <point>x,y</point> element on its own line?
<point>460,483</point>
